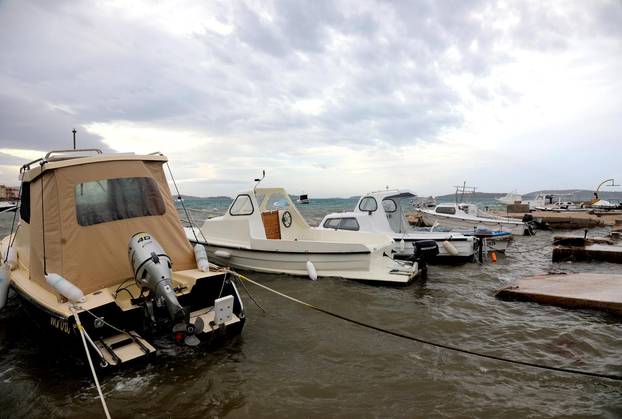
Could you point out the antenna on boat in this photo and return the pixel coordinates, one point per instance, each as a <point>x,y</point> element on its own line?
<point>74,138</point>
<point>463,189</point>
<point>263,175</point>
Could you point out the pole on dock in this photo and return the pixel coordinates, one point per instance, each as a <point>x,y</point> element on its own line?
<point>74,138</point>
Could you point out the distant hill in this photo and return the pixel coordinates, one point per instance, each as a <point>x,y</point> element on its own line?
<point>202,197</point>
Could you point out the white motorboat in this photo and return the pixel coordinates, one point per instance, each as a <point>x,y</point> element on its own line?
<point>8,206</point>
<point>100,252</point>
<point>510,198</point>
<point>467,216</point>
<point>383,212</point>
<point>553,202</point>
<point>494,241</point>
<point>263,231</point>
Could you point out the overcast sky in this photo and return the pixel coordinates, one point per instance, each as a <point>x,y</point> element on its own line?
<point>332,98</point>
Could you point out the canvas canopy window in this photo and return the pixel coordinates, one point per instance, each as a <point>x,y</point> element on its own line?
<point>107,200</point>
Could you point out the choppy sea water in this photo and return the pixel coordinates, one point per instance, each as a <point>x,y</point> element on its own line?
<point>294,362</point>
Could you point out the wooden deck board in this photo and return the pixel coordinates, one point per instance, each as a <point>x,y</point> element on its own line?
<point>592,291</point>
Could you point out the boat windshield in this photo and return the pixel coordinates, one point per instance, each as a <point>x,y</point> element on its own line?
<point>277,201</point>
<point>107,200</point>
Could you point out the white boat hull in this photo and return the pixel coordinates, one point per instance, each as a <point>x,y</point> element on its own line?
<point>463,223</point>
<point>498,244</point>
<point>372,266</point>
<point>465,247</point>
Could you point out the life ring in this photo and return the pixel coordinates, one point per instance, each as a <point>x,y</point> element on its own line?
<point>286,219</point>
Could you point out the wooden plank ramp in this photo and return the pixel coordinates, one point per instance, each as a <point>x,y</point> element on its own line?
<point>580,291</point>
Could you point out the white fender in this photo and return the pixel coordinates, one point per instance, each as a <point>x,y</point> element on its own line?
<point>4,284</point>
<point>311,270</point>
<point>450,248</point>
<point>200,255</point>
<point>11,259</point>
<point>11,256</point>
<point>222,254</point>
<point>65,288</point>
<point>402,245</point>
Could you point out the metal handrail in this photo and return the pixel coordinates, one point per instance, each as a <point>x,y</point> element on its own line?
<point>97,150</point>
<point>27,165</point>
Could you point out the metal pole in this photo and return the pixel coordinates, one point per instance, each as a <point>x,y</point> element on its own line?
<point>74,138</point>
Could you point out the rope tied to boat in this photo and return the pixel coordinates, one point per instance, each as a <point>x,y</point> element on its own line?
<point>431,343</point>
<point>88,356</point>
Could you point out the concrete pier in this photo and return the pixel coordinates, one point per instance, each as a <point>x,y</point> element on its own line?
<point>571,220</point>
<point>580,291</point>
<point>579,249</point>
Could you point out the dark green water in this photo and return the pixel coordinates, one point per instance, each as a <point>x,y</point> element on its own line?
<point>294,362</point>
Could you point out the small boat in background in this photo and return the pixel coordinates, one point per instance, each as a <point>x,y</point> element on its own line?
<point>461,216</point>
<point>383,212</point>
<point>510,198</point>
<point>8,206</point>
<point>468,217</point>
<point>303,199</point>
<point>263,231</point>
<point>553,202</point>
<point>100,252</point>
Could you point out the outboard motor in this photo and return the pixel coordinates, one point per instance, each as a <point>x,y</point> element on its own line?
<point>424,250</point>
<point>530,223</point>
<point>152,271</point>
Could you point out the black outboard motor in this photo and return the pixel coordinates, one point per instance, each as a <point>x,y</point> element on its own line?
<point>424,250</point>
<point>531,225</point>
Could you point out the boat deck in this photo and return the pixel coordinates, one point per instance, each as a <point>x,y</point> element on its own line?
<point>580,291</point>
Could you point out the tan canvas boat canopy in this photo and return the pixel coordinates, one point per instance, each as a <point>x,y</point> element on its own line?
<point>91,206</point>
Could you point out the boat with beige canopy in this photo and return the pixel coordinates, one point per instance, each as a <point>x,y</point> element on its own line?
<point>99,241</point>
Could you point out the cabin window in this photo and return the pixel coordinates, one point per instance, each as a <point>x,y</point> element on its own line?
<point>332,223</point>
<point>342,224</point>
<point>242,205</point>
<point>389,205</point>
<point>24,203</point>
<point>446,210</point>
<point>349,224</point>
<point>368,204</point>
<point>107,200</point>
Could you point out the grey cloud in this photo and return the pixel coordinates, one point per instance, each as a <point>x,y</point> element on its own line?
<point>28,124</point>
<point>242,86</point>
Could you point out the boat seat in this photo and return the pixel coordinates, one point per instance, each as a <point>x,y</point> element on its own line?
<point>271,225</point>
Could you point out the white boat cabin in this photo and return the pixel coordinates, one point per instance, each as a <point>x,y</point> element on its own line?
<point>263,230</point>
<point>377,211</point>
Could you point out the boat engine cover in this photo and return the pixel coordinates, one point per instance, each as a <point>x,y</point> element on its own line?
<point>152,270</point>
<point>425,249</point>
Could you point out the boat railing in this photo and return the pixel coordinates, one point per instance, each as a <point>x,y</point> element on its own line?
<point>49,156</point>
<point>78,150</point>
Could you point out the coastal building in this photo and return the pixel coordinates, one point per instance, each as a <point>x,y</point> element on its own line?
<point>9,193</point>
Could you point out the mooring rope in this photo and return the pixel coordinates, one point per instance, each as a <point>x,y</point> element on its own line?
<point>181,200</point>
<point>431,343</point>
<point>88,356</point>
